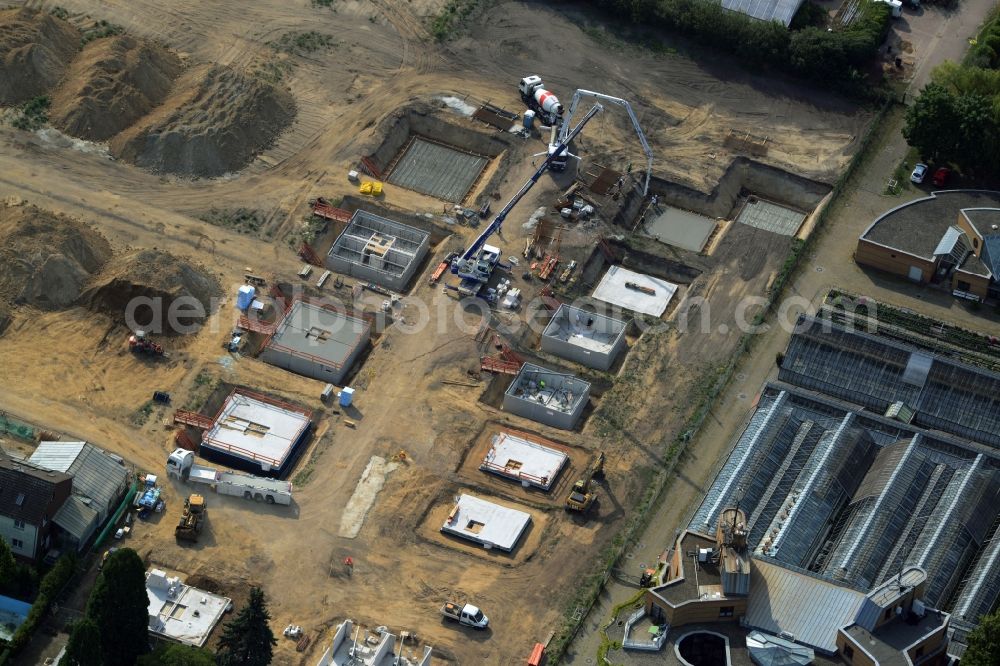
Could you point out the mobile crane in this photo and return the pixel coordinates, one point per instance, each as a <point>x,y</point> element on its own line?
<point>631,114</point>
<point>475,265</point>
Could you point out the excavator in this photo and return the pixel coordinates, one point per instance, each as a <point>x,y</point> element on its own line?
<point>192,520</point>
<point>139,343</point>
<point>583,494</point>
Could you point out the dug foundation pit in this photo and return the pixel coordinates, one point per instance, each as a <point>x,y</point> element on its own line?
<point>427,154</point>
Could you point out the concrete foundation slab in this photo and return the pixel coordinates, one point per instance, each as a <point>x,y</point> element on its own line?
<point>612,289</point>
<point>770,217</point>
<point>437,170</point>
<point>680,228</point>
<point>523,460</point>
<point>492,525</point>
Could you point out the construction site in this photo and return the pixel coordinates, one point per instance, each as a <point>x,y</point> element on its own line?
<point>444,350</point>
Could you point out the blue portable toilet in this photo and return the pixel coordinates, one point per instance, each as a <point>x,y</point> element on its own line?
<point>529,119</point>
<point>346,396</point>
<point>244,297</point>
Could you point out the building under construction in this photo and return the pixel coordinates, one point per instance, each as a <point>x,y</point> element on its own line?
<point>589,338</point>
<point>378,250</point>
<point>553,398</point>
<point>868,458</point>
<point>316,341</point>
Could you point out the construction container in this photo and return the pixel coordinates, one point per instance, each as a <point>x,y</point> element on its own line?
<point>327,392</point>
<point>346,396</point>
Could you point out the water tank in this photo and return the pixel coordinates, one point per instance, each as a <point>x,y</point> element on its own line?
<point>346,396</point>
<point>244,297</point>
<point>529,119</point>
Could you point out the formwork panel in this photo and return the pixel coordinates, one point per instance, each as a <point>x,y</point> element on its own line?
<point>437,170</point>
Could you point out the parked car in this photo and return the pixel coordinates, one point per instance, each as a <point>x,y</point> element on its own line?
<point>919,173</point>
<point>941,176</point>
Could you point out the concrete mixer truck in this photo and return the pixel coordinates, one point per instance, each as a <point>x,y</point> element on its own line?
<point>546,105</point>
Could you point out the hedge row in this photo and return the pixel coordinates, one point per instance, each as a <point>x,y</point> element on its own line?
<point>812,51</point>
<point>986,51</point>
<point>48,591</point>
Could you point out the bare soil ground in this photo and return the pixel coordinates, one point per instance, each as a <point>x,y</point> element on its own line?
<point>35,51</point>
<point>75,376</point>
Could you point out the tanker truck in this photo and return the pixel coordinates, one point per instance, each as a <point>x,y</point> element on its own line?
<point>545,104</point>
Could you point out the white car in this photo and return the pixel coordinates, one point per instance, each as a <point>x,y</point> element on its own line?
<point>919,173</point>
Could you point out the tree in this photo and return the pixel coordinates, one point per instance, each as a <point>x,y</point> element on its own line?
<point>119,607</point>
<point>932,124</point>
<point>84,645</point>
<point>173,654</point>
<point>248,639</point>
<point>984,643</point>
<point>8,566</point>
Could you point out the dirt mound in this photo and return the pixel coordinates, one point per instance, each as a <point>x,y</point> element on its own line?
<point>46,259</point>
<point>35,51</point>
<point>141,287</point>
<point>112,84</point>
<point>215,122</point>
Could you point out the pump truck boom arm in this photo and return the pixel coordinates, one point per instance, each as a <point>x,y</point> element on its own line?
<point>494,226</point>
<point>631,114</point>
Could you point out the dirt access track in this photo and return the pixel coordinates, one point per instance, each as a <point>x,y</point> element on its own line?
<point>381,59</point>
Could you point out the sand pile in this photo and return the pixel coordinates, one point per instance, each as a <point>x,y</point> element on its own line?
<point>151,280</point>
<point>46,259</point>
<point>215,121</point>
<point>111,84</point>
<point>35,51</point>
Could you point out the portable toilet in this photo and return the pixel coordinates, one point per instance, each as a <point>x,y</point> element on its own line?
<point>529,119</point>
<point>346,396</point>
<point>244,297</point>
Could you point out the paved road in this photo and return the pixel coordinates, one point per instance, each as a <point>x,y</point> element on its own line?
<point>936,36</point>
